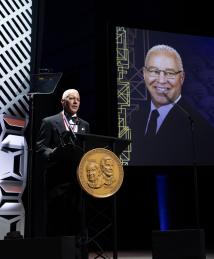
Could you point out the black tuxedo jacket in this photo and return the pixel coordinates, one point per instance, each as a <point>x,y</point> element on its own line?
<point>49,138</point>
<point>181,139</point>
<point>57,179</point>
<point>50,131</point>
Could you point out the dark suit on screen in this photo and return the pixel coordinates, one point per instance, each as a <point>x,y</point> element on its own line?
<point>62,190</point>
<point>181,139</point>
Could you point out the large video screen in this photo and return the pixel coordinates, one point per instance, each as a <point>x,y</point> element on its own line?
<point>180,86</point>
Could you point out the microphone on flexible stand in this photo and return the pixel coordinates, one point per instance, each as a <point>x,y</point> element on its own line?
<point>188,115</point>
<point>73,136</point>
<point>180,108</point>
<point>75,122</point>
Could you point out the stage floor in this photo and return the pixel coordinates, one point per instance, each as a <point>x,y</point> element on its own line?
<point>135,255</point>
<point>124,255</point>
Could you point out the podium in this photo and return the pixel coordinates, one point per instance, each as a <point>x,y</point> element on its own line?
<point>90,141</point>
<point>84,143</point>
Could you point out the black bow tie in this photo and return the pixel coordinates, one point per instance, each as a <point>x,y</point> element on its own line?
<point>73,120</point>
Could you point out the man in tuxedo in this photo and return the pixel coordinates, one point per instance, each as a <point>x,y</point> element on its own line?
<point>166,130</point>
<point>58,157</point>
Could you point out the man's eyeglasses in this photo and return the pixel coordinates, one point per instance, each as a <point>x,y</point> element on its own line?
<point>155,72</point>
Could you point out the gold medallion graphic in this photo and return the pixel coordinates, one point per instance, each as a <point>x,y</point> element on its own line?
<point>100,173</point>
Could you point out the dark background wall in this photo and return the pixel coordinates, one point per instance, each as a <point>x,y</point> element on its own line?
<point>75,37</point>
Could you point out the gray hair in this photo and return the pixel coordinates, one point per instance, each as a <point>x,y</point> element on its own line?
<point>67,92</point>
<point>165,48</point>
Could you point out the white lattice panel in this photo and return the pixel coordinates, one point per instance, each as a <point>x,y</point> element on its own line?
<point>15,52</point>
<point>13,174</point>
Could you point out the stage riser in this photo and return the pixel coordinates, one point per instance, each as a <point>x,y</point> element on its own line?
<point>44,248</point>
<point>179,244</point>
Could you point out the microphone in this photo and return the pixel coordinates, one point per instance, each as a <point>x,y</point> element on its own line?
<point>73,122</point>
<point>76,121</point>
<point>179,107</point>
<point>73,135</point>
<point>194,152</point>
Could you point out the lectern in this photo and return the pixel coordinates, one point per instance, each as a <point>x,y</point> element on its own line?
<point>86,142</point>
<point>90,141</point>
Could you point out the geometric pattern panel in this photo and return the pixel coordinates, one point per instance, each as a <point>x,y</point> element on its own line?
<point>15,52</point>
<point>123,90</point>
<point>131,45</point>
<point>13,173</point>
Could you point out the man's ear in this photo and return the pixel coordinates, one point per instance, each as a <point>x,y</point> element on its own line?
<point>143,71</point>
<point>63,102</point>
<point>182,77</point>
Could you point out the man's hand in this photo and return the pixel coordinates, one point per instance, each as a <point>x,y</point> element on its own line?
<point>61,152</point>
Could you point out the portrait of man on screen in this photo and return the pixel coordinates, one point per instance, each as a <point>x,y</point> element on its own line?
<point>166,129</point>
